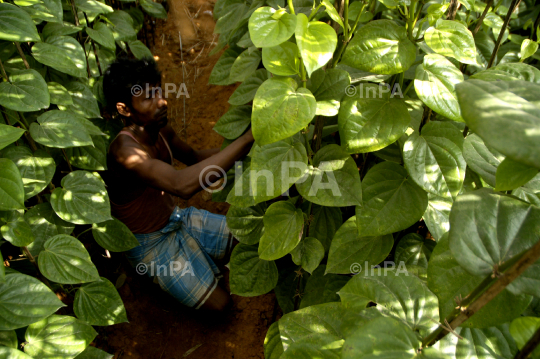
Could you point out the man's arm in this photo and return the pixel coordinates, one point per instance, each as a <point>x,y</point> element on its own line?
<point>184,152</point>
<point>185,182</point>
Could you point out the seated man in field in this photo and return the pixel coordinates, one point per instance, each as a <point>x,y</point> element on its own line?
<point>178,247</point>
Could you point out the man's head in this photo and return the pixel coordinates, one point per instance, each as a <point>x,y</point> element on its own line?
<point>132,88</point>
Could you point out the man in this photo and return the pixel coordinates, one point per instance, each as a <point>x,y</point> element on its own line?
<point>178,246</point>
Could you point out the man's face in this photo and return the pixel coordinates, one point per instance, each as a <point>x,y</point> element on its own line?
<point>150,108</point>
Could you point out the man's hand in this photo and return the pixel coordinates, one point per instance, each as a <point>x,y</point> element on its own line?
<point>248,136</point>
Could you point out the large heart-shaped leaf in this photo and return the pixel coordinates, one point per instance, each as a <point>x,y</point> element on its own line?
<point>247,89</point>
<point>8,338</point>
<point>281,109</point>
<point>322,288</point>
<point>241,193</point>
<point>154,9</point>
<point>483,160</point>
<point>437,215</point>
<point>60,129</point>
<point>329,84</point>
<point>102,35</point>
<point>273,348</point>
<point>391,201</point>
<point>11,186</point>
<point>269,27</point>
<point>62,53</point>
<point>114,236</point>
<point>435,160</point>
<point>16,230</point>
<point>530,192</point>
<point>282,60</point>
<point>27,92</point>
<point>232,17</point>
<point>349,248</point>
<point>90,157</point>
<point>453,39</point>
<point>9,134</point>
<point>59,94</point>
<point>139,49</point>
<point>84,102</point>
<point>234,122</point>
<point>245,64</point>
<point>123,25</point>
<point>25,300</point>
<point>333,180</point>
<point>414,250</point>
<point>221,71</point>
<point>371,120</point>
<point>435,85</point>
<point>509,72</point>
<point>325,223</point>
<point>94,353</point>
<point>16,24</point>
<point>308,254</point>
<point>45,223</point>
<point>99,303</point>
<point>522,330</point>
<point>82,199</point>
<point>93,7</point>
<point>511,175</point>
<point>381,47</point>
<point>251,276</point>
<point>60,29</point>
<point>246,224</point>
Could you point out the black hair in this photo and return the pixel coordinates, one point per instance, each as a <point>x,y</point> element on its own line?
<point>125,73</point>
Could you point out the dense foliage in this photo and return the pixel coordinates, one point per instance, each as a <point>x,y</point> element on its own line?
<point>52,56</point>
<point>398,115</point>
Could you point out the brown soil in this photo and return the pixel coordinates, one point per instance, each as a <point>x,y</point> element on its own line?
<point>159,326</point>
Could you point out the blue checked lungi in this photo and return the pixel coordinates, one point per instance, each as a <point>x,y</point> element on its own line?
<point>180,256</point>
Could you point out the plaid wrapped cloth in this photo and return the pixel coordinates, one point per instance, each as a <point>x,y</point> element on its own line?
<point>180,256</point>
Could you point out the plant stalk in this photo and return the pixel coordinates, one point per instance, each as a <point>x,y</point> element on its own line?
<point>22,55</point>
<point>412,16</point>
<point>291,7</point>
<point>481,18</point>
<point>32,260</point>
<point>529,346</point>
<point>67,160</point>
<point>452,9</point>
<point>511,9</point>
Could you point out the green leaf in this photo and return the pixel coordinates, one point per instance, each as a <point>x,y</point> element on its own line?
<point>114,236</point>
<point>60,129</point>
<point>246,224</point>
<point>391,201</point>
<point>437,215</point>
<point>11,186</point>
<point>241,194</point>
<point>316,41</point>
<point>58,336</point>
<point>292,280</point>
<point>82,199</point>
<point>332,85</point>
<point>220,74</point>
<point>233,17</point>
<point>62,53</point>
<point>322,288</point>
<point>234,122</point>
<point>281,109</point>
<point>332,12</point>
<point>60,29</point>
<point>481,159</point>
<point>245,64</point>
<point>448,280</point>
<point>94,353</point>
<point>45,223</point>
<point>123,25</point>
<point>37,169</point>
<point>282,60</point>
<point>371,120</point>
<point>528,48</point>
<point>333,180</point>
<point>308,254</point>
<point>84,102</point>
<point>453,39</point>
<point>90,157</point>
<point>47,10</point>
<point>25,300</point>
<point>93,7</point>
<point>530,192</point>
<point>435,85</point>
<point>509,72</point>
<point>325,223</point>
<point>247,89</point>
<point>522,329</point>
<point>103,35</point>
<point>9,134</point>
<point>154,9</point>
<point>99,303</point>
<point>500,227</point>
<point>283,225</point>
<point>511,175</point>
<point>381,47</point>
<point>65,260</point>
<point>17,231</point>
<point>8,338</point>
<point>16,24</point>
<point>139,49</point>
<point>251,276</point>
<point>435,160</point>
<point>349,248</point>
<point>26,92</point>
<point>414,250</point>
<point>59,94</point>
<point>269,27</point>
<point>273,348</point>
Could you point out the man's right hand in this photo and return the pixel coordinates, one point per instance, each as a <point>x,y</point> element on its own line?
<point>248,136</point>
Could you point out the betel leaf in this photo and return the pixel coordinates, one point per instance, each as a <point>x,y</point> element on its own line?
<point>233,17</point>
<point>122,26</point>
<point>381,47</point>
<point>25,300</point>
<point>482,159</point>
<point>101,34</point>
<point>308,254</point>
<point>511,175</point>
<point>414,250</point>
<point>316,41</point>
<point>281,109</point>
<point>247,89</point>
<point>453,39</point>
<point>282,60</point>
<point>8,338</point>
<point>60,29</point>
<point>27,91</point>
<point>60,129</point>
<point>11,186</point>
<point>82,199</point>
<point>245,64</point>
<point>47,10</point>
<point>139,49</point>
<point>372,119</point>
<point>62,53</point>
<point>273,348</point>
<point>241,193</point>
<point>58,336</point>
<point>269,27</point>
<point>435,84</point>
<point>9,134</point>
<point>44,224</point>
<point>154,9</point>
<point>391,201</point>
<point>90,157</point>
<point>94,353</point>
<point>114,236</point>
<point>246,224</point>
<point>99,303</point>
<point>333,179</point>
<point>234,122</point>
<point>448,280</point>
<point>437,215</point>
<point>37,169</point>
<point>220,74</point>
<point>16,24</point>
<point>316,346</point>
<point>331,84</point>
<point>325,223</point>
<point>16,230</point>
<point>84,102</point>
<point>11,353</point>
<point>522,330</point>
<point>506,115</point>
<point>292,280</point>
<point>59,94</point>
<point>322,288</point>
<point>65,260</point>
<point>283,225</point>
<point>251,276</point>
<point>349,248</point>
<point>397,294</point>
<point>501,227</point>
<point>530,192</point>
<point>509,72</point>
<point>93,7</point>
<point>435,160</point>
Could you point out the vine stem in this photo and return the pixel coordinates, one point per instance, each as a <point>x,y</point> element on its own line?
<point>519,265</point>
<point>481,18</point>
<point>511,9</point>
<point>32,260</point>
<point>529,346</point>
<point>67,160</point>
<point>22,55</point>
<point>345,39</point>
<point>291,7</point>
<point>452,9</point>
<point>93,46</point>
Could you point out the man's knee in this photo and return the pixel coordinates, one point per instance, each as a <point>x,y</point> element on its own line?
<point>218,301</point>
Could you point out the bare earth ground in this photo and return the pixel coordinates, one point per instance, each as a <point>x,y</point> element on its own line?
<point>159,327</point>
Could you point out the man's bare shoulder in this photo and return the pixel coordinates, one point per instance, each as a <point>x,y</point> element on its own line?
<point>127,152</point>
